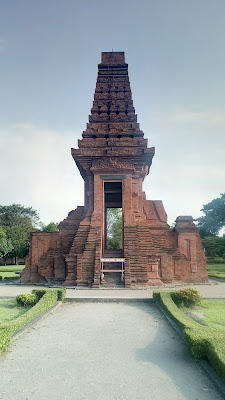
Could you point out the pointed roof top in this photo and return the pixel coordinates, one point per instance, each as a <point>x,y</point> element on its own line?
<point>113,57</point>
<point>113,113</point>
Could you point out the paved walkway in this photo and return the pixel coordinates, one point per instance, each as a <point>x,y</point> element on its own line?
<point>214,289</point>
<point>102,351</point>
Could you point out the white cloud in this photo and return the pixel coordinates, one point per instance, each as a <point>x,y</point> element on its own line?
<point>189,166</point>
<point>189,116</point>
<point>197,117</point>
<point>39,170</point>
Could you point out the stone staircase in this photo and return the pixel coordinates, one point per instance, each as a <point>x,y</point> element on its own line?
<point>74,257</point>
<point>161,246</point>
<point>88,259</point>
<point>141,246</point>
<point>54,258</point>
<point>135,248</point>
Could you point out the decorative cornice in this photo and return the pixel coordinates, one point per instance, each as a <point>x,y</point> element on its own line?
<point>111,163</point>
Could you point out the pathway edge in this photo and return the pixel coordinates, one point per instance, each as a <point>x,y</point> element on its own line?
<point>209,371</point>
<point>41,316</point>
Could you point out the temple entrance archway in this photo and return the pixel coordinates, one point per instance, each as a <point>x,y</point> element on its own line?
<point>113,234</point>
<point>116,221</point>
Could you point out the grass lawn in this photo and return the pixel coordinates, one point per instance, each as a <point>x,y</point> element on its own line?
<point>11,268</point>
<point>209,312</point>
<point>203,327</point>
<point>9,275</point>
<point>9,310</point>
<point>217,270</point>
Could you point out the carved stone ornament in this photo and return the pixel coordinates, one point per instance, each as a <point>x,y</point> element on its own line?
<point>111,163</point>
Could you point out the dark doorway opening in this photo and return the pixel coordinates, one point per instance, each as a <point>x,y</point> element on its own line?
<point>113,242</point>
<point>113,237</point>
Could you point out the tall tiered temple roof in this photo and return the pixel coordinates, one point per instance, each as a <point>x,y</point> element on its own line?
<point>112,129</point>
<point>113,113</point>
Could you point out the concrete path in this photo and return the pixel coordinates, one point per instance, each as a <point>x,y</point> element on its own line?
<point>102,351</point>
<point>214,289</point>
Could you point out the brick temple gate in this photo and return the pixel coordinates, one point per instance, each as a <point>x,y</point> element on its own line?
<point>113,160</point>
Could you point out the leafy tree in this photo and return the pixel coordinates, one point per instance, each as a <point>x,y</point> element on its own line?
<point>17,215</point>
<point>51,227</point>
<point>2,233</point>
<point>19,236</point>
<point>5,245</point>
<point>114,228</point>
<point>203,232</point>
<point>214,219</point>
<point>18,222</point>
<point>214,246</point>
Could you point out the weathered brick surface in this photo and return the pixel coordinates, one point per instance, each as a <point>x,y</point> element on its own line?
<point>113,145</point>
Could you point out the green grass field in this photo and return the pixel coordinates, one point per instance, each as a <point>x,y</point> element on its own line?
<point>9,275</point>
<point>210,312</point>
<point>8,271</point>
<point>203,327</point>
<point>11,268</point>
<point>216,270</point>
<point>9,310</point>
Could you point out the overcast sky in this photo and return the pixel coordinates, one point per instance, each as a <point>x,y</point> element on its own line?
<point>49,51</point>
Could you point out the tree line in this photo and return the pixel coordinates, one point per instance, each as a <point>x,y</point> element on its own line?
<point>211,224</point>
<point>16,224</point>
